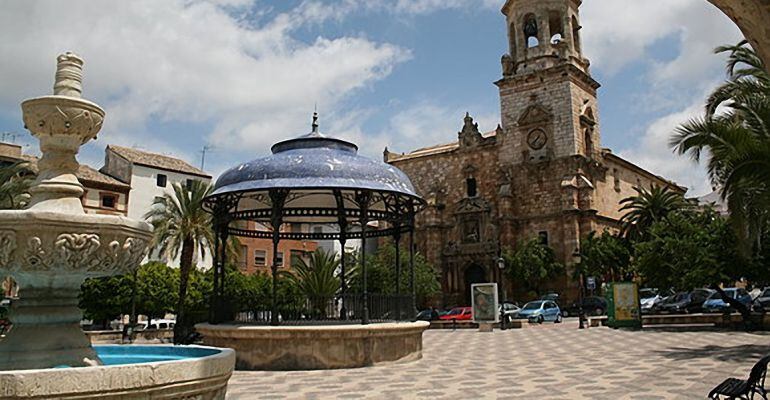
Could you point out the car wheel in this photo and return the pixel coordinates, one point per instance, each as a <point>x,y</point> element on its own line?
<point>565,313</point>
<point>558,319</point>
<point>540,319</point>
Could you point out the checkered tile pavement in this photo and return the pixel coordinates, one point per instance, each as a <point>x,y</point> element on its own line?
<point>542,362</point>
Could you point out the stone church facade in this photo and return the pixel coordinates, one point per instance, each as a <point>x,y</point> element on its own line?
<point>541,174</point>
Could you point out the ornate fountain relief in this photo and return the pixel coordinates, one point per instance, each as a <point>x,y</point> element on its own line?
<point>53,246</point>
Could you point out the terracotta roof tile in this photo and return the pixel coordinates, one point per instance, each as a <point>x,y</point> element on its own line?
<point>148,159</point>
<point>85,174</point>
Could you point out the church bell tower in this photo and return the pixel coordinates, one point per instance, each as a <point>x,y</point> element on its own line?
<point>547,95</point>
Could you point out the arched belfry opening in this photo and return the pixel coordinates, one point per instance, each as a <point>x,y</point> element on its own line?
<point>531,31</point>
<point>556,27</point>
<point>576,34</point>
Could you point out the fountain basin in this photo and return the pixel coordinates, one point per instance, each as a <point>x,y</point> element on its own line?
<point>130,372</point>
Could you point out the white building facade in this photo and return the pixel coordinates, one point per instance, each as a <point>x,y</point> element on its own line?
<point>151,176</point>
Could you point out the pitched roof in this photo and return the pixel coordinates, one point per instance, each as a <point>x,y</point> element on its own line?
<point>147,159</point>
<point>85,174</point>
<point>432,150</point>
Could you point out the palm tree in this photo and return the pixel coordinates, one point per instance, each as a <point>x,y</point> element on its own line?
<point>182,227</point>
<point>317,278</point>
<point>15,181</point>
<point>736,142</point>
<point>648,207</point>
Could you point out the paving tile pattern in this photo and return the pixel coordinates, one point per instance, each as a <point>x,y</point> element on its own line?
<point>542,362</point>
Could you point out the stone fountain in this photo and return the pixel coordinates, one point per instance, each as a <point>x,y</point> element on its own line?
<point>51,247</point>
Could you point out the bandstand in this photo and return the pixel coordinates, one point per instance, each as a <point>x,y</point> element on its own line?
<point>317,180</point>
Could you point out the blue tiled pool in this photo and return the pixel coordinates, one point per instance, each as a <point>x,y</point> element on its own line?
<point>121,355</point>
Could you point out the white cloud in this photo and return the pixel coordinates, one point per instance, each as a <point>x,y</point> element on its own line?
<point>653,153</point>
<point>428,124</point>
<point>188,61</point>
<point>620,32</point>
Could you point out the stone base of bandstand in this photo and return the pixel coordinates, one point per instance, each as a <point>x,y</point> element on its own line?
<point>283,348</point>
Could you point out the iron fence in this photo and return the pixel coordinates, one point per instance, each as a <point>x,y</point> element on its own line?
<point>348,308</point>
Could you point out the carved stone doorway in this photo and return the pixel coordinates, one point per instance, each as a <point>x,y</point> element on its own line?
<point>473,274</point>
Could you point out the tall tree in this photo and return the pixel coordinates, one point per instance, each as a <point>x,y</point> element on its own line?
<point>184,229</point>
<point>606,256</point>
<point>531,264</point>
<point>381,273</point>
<point>157,289</point>
<point>734,138</point>
<point>646,208</point>
<point>317,278</point>
<point>695,249</point>
<point>15,181</point>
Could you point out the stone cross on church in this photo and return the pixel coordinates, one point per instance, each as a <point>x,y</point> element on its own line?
<point>542,173</point>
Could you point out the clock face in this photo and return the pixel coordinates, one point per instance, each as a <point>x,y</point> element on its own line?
<point>537,139</point>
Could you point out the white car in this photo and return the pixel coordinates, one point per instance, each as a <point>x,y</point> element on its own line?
<point>509,310</point>
<point>156,324</point>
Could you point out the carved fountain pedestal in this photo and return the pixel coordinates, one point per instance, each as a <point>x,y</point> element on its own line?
<point>53,246</point>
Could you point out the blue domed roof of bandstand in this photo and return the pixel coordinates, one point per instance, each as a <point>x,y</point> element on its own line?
<point>314,161</point>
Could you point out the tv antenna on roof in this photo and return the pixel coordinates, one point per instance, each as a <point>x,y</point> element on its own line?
<point>204,150</point>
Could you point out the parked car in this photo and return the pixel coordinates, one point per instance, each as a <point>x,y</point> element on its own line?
<point>428,314</point>
<point>458,313</point>
<point>684,302</point>
<point>156,324</point>
<point>650,297</point>
<point>508,310</point>
<point>540,311</point>
<point>592,305</point>
<point>762,302</point>
<point>647,298</point>
<point>715,303</point>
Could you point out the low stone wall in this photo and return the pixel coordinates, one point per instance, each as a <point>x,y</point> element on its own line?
<point>203,378</point>
<point>715,319</point>
<point>279,348</point>
<point>444,324</point>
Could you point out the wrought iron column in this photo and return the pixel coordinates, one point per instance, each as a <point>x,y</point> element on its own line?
<point>397,241</point>
<point>343,223</point>
<point>411,271</point>
<point>363,202</point>
<point>223,238</point>
<point>277,198</point>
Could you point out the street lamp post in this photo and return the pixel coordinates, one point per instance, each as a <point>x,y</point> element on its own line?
<point>577,258</point>
<point>501,267</point>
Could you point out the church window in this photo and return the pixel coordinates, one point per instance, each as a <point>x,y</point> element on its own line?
<point>543,238</point>
<point>576,34</point>
<point>470,187</point>
<point>556,26</point>
<point>588,142</point>
<point>531,31</point>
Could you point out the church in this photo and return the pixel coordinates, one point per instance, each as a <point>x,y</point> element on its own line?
<point>541,174</point>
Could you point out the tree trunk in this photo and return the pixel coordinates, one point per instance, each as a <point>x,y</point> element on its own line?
<point>738,306</point>
<point>185,265</point>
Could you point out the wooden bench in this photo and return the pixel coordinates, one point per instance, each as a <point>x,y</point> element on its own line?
<point>733,388</point>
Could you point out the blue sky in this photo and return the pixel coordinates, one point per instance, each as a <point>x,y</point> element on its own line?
<point>237,75</point>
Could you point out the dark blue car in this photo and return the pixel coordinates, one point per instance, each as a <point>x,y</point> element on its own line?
<point>715,303</point>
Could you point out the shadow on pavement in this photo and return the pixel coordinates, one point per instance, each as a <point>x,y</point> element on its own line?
<point>742,353</point>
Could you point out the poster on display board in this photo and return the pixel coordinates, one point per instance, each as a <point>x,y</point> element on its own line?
<point>484,303</point>
<point>623,307</point>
